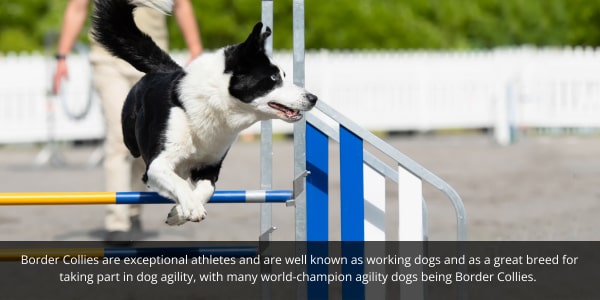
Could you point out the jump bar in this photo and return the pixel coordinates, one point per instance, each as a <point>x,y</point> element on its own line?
<point>74,198</point>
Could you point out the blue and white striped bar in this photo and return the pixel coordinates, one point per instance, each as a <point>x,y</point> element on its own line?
<point>75,198</point>
<point>225,196</point>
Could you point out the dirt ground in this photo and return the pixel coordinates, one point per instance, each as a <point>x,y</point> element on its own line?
<point>541,188</point>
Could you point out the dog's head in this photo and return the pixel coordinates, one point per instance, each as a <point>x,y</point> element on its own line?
<point>260,84</point>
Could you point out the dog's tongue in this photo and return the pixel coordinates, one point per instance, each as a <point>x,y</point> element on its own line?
<point>291,113</point>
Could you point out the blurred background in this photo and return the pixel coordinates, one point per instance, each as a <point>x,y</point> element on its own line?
<point>355,24</point>
<point>501,98</point>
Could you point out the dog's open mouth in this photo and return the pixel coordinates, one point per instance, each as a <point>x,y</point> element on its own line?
<point>291,114</point>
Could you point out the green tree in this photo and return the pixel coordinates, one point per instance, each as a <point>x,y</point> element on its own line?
<point>353,24</point>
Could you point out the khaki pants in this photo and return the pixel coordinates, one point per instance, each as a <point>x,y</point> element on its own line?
<point>122,172</point>
<point>113,78</point>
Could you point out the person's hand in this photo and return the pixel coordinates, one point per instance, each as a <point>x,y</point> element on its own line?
<point>193,55</point>
<point>61,72</point>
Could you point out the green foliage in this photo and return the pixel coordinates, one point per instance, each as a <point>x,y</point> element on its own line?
<point>221,22</point>
<point>584,22</point>
<point>15,30</point>
<point>353,24</point>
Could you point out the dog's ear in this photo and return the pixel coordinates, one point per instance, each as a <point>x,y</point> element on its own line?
<point>250,52</point>
<point>264,36</point>
<point>257,39</point>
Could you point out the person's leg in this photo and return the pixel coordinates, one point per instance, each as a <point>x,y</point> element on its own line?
<point>137,171</point>
<point>113,87</point>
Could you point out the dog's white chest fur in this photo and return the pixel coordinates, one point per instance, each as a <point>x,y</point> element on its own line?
<point>202,131</point>
<point>186,145</point>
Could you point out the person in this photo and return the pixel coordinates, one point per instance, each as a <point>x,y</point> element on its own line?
<point>113,78</point>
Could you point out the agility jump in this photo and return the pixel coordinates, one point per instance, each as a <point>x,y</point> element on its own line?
<point>82,198</point>
<point>362,183</point>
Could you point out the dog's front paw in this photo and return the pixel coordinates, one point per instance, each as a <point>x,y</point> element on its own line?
<point>176,216</point>
<point>198,214</point>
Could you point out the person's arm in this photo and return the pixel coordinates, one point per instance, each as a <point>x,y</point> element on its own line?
<point>73,21</point>
<point>184,14</point>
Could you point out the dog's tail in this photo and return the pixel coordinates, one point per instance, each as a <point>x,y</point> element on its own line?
<point>114,28</point>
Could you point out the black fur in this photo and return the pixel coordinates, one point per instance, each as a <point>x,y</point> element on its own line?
<point>251,68</point>
<point>114,27</point>
<point>208,172</point>
<point>147,106</point>
<point>146,110</point>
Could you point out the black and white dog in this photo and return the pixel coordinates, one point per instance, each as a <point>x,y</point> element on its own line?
<point>182,121</point>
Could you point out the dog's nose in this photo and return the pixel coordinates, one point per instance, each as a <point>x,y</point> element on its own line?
<point>311,98</point>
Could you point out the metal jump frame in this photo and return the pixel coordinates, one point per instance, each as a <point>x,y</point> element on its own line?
<point>316,129</point>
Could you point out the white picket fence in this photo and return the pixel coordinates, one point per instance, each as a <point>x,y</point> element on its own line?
<point>383,91</point>
<point>30,113</point>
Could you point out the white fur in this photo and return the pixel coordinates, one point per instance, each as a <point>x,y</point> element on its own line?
<point>164,6</point>
<point>202,134</point>
<point>289,95</point>
<point>205,96</point>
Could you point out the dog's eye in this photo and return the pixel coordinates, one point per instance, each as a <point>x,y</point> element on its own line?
<point>275,77</point>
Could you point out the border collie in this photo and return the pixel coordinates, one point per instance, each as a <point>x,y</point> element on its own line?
<point>182,121</point>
